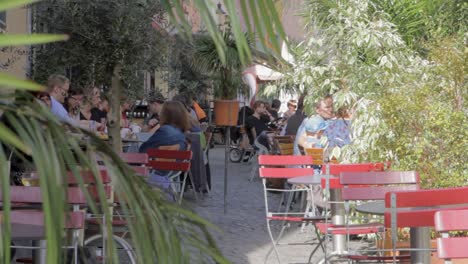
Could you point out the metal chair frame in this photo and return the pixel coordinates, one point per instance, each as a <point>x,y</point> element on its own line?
<point>269,169</point>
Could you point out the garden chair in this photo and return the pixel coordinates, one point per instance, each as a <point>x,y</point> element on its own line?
<point>269,169</point>
<point>175,161</point>
<point>367,186</point>
<point>332,194</point>
<point>135,159</point>
<point>449,247</point>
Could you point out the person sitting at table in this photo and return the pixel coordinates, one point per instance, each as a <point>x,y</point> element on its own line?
<point>174,123</point>
<point>95,100</point>
<point>151,123</point>
<point>57,87</point>
<point>73,101</point>
<point>43,98</point>
<point>193,119</point>
<point>338,131</point>
<point>324,110</point>
<point>87,120</point>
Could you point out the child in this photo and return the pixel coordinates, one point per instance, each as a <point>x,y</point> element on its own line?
<point>310,133</point>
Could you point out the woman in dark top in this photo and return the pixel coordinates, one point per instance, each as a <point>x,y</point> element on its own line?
<point>174,122</point>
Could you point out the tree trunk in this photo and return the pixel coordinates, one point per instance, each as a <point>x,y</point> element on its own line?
<point>114,117</point>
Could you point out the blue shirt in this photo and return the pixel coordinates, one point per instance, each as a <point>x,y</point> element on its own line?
<point>301,130</point>
<point>58,110</point>
<point>166,135</point>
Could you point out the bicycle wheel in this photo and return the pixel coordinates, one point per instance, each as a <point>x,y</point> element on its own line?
<point>125,251</point>
<point>235,155</point>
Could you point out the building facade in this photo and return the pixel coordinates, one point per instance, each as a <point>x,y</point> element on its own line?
<point>15,60</point>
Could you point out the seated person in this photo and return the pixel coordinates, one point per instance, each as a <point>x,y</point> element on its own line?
<point>257,123</point>
<point>151,123</point>
<point>174,122</point>
<point>310,133</point>
<point>193,119</point>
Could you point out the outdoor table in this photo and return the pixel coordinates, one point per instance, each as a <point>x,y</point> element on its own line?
<point>337,208</point>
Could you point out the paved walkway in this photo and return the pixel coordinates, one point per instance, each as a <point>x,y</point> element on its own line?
<point>244,237</point>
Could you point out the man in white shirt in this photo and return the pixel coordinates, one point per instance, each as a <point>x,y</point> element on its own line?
<point>58,86</point>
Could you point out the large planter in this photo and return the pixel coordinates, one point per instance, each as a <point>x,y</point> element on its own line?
<point>226,112</point>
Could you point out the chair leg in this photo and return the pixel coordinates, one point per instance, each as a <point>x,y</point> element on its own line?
<point>253,173</point>
<point>321,239</point>
<point>190,176</point>
<point>273,242</point>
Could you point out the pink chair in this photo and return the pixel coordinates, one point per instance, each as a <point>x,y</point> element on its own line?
<point>451,247</point>
<point>74,221</point>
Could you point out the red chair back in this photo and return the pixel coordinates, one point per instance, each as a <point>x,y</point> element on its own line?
<point>374,185</point>
<point>33,195</point>
<point>302,166</point>
<point>169,160</point>
<point>336,169</point>
<point>88,177</point>
<point>417,208</point>
<point>141,170</point>
<point>134,158</point>
<point>451,220</point>
<point>284,160</point>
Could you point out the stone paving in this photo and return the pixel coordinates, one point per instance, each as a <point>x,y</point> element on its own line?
<point>243,236</point>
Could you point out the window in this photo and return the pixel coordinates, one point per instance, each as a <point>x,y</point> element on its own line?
<point>2,20</point>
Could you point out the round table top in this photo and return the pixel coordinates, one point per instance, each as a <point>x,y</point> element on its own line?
<point>375,208</point>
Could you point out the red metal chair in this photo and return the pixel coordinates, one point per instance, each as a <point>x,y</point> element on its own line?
<point>269,170</point>
<point>332,188</point>
<point>367,186</point>
<point>448,247</point>
<point>416,209</point>
<point>177,162</point>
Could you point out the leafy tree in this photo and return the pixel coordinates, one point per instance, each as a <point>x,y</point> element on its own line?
<point>111,43</point>
<point>421,20</point>
<point>406,108</point>
<point>103,34</point>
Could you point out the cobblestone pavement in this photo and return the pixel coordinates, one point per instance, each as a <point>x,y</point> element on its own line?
<point>243,237</point>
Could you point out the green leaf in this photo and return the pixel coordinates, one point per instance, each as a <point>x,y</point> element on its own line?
<point>10,81</point>
<point>9,137</point>
<point>7,40</point>
<point>7,4</point>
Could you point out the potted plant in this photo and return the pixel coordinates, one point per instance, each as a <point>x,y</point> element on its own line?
<point>226,76</point>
